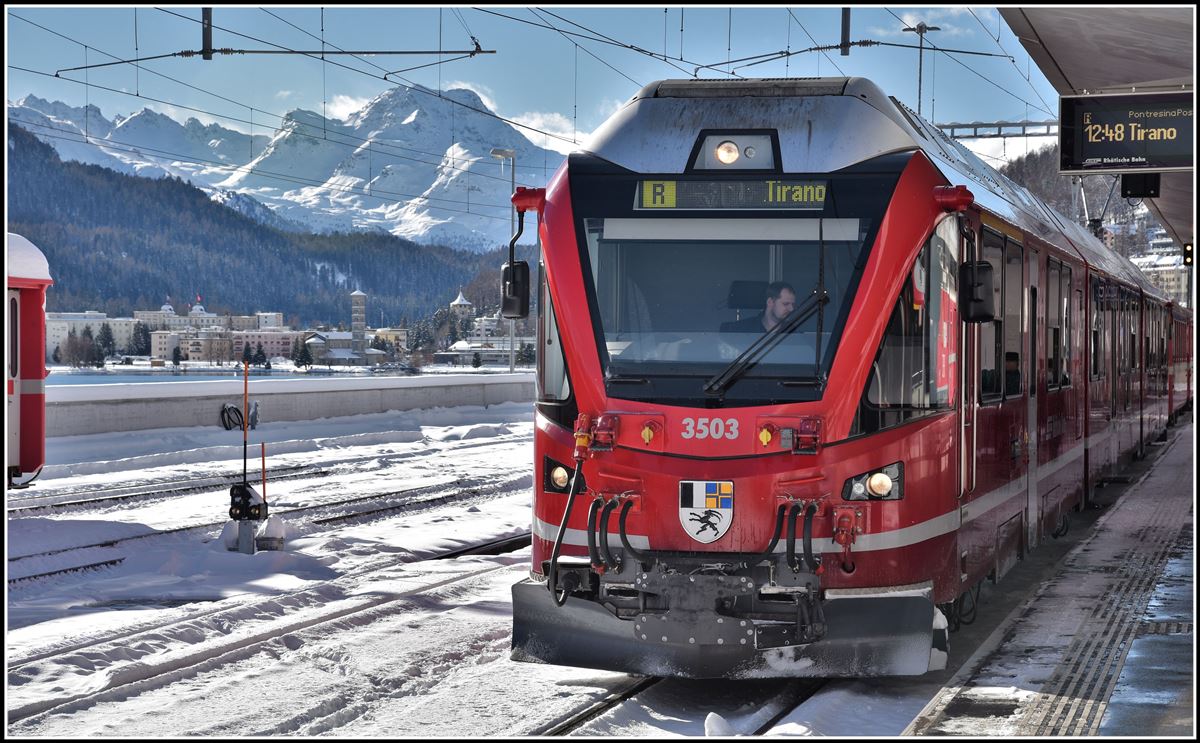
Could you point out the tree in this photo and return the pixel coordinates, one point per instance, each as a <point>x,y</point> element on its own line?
<point>89,354</point>
<point>139,345</point>
<point>295,355</point>
<point>247,355</point>
<point>71,348</point>
<point>105,342</point>
<point>476,360</point>
<point>525,354</point>
<point>306,359</point>
<point>260,357</point>
<point>55,357</point>
<point>176,355</point>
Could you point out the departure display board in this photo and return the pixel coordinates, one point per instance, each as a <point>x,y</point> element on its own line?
<point>1127,133</point>
<point>764,193</point>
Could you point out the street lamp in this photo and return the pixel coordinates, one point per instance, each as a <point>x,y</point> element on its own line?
<point>921,30</point>
<point>502,154</point>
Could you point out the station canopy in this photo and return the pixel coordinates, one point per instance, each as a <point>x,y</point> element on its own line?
<point>1119,50</point>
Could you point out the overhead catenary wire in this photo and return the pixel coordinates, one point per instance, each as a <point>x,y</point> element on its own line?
<point>814,41</point>
<point>585,49</point>
<point>996,39</point>
<point>375,145</point>
<point>931,45</point>
<point>411,85</point>
<point>385,148</point>
<point>596,36</point>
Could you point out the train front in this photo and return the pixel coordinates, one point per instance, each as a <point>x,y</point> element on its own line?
<point>721,418</point>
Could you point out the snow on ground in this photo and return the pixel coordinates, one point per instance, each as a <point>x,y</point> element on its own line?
<point>350,630</point>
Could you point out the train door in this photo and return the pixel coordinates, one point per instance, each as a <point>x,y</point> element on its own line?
<point>1000,498</point>
<point>12,373</point>
<point>1032,504</point>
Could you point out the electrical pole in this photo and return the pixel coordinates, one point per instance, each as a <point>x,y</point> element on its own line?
<point>502,154</point>
<point>920,30</point>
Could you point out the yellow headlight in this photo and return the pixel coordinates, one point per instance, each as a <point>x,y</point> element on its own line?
<point>727,152</point>
<point>560,477</point>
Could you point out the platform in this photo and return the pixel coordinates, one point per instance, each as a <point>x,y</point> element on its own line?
<point>1106,645</point>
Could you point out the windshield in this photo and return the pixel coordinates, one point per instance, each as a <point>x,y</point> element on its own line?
<point>680,294</point>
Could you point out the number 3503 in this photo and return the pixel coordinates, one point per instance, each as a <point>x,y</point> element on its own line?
<point>704,428</point>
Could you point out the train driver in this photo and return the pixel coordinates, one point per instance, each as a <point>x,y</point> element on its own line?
<point>780,301</point>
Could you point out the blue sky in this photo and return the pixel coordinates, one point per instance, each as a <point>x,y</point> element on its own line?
<point>561,84</point>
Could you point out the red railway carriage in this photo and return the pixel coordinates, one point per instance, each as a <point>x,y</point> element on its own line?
<point>25,359</point>
<point>810,371</point>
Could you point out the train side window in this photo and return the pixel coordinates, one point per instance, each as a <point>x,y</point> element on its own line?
<point>990,334</point>
<point>1135,350</point>
<point>1072,341</point>
<point>1013,290</point>
<point>1096,346</point>
<point>916,369</point>
<point>14,346</point>
<point>1053,324</point>
<point>553,386</point>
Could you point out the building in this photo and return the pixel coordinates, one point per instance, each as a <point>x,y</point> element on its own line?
<point>163,343</point>
<point>165,318</point>
<point>490,350</point>
<point>336,348</point>
<point>358,323</point>
<point>1167,272</point>
<point>275,341</point>
<point>60,324</point>
<point>206,344</point>
<point>396,336</point>
<point>461,308</point>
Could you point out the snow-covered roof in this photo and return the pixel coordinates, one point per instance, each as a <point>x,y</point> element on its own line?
<point>460,301</point>
<point>25,261</point>
<point>357,293</point>
<point>342,353</point>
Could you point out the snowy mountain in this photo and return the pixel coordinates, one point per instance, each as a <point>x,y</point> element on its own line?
<point>409,162</point>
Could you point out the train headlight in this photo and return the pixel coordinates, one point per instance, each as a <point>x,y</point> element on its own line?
<point>556,477</point>
<point>881,483</point>
<point>740,150</point>
<point>727,153</point>
<point>560,477</point>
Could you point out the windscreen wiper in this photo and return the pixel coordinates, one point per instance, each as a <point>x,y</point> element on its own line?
<point>765,343</point>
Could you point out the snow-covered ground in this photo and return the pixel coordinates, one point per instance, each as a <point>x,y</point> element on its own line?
<point>351,629</point>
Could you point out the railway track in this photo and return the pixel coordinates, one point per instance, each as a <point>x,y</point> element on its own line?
<point>261,624</point>
<point>202,484</point>
<point>49,497</point>
<point>408,505</point>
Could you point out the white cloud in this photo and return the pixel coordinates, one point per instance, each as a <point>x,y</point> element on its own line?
<point>283,94</point>
<point>343,105</point>
<point>952,22</point>
<point>554,123</point>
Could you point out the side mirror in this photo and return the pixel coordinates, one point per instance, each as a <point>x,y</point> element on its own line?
<point>975,292</point>
<point>514,282</point>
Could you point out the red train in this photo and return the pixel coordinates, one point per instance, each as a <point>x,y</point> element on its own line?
<point>25,359</point>
<point>810,372</point>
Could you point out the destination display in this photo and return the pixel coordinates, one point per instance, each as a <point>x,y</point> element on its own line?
<point>1128,133</point>
<point>757,194</point>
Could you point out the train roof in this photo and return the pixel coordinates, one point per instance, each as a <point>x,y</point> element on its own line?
<point>869,124</point>
<point>25,261</point>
